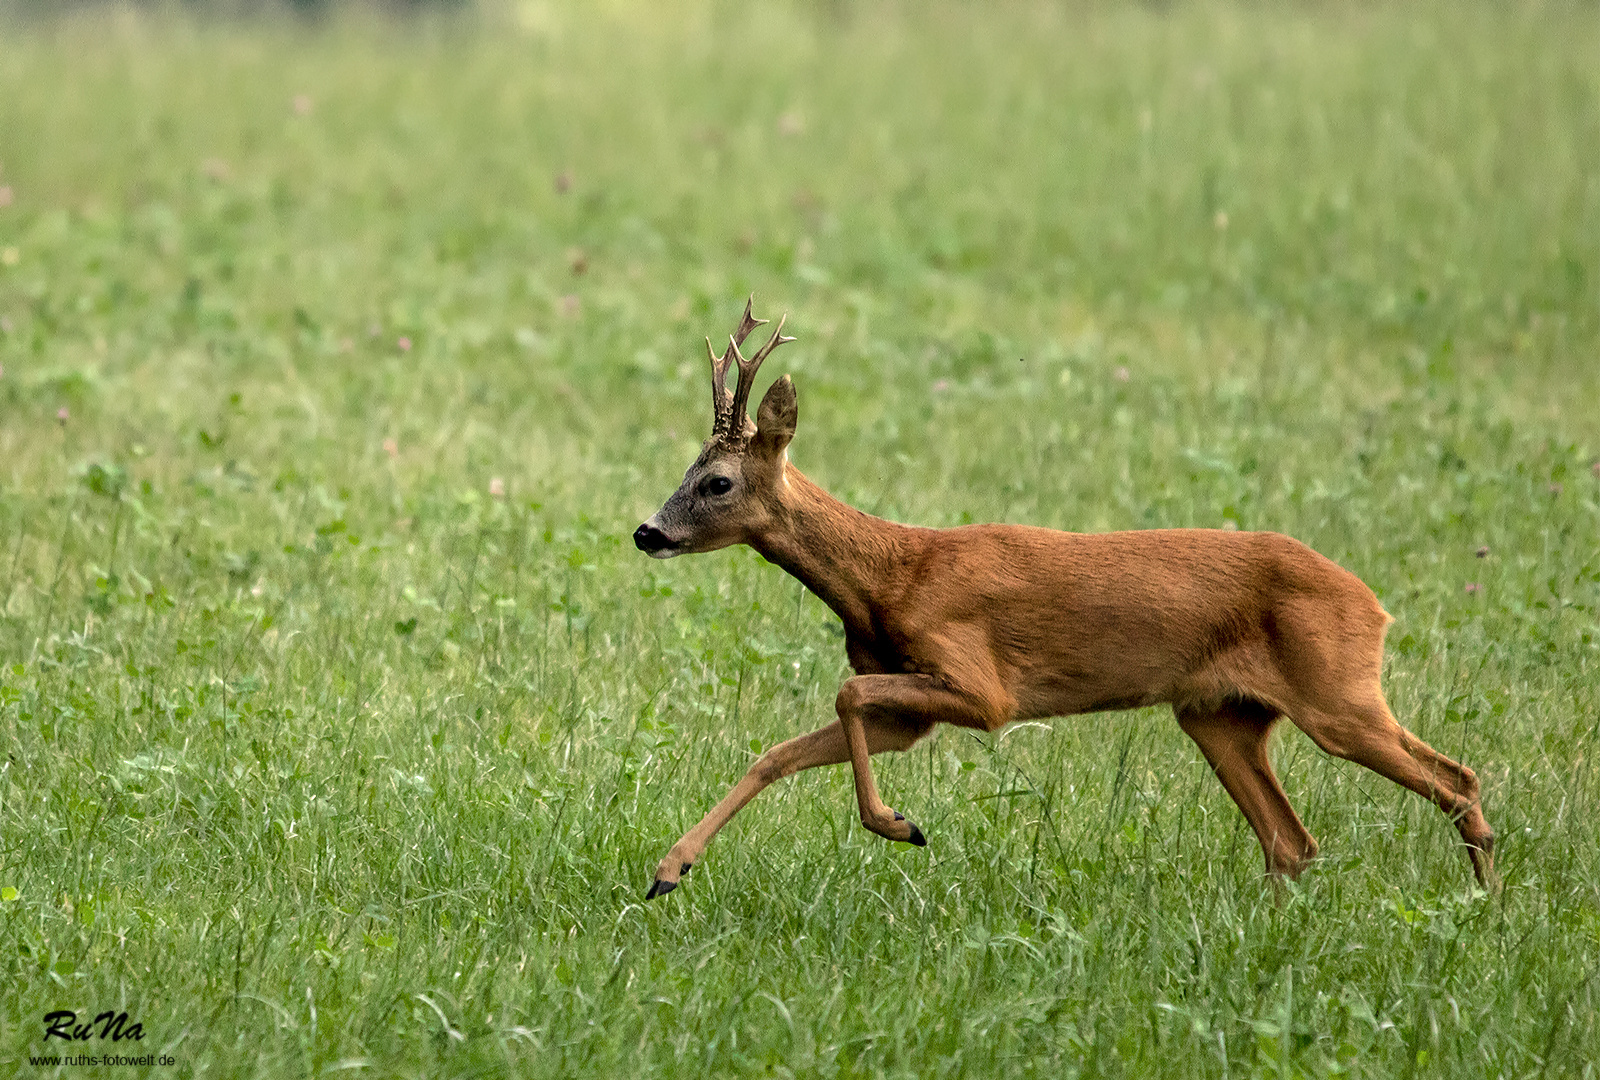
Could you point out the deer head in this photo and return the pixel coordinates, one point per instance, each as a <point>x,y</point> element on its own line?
<point>731,490</point>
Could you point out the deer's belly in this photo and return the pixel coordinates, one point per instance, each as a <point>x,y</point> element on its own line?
<point>1069,695</point>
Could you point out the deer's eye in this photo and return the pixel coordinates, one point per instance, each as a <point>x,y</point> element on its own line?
<point>719,485</point>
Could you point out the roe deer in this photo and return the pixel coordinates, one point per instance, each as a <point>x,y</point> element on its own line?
<point>985,624</point>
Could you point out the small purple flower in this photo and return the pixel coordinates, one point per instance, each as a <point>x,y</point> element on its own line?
<point>62,415</point>
<point>404,343</point>
<point>1473,588</point>
<point>1483,552</point>
<point>497,487</point>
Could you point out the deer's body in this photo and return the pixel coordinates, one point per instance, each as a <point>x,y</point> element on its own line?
<point>1034,622</point>
<point>982,625</point>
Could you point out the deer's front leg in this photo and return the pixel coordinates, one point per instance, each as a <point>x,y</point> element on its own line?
<point>868,700</point>
<point>825,746</point>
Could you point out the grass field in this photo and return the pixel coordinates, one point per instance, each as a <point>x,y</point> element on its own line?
<point>320,755</point>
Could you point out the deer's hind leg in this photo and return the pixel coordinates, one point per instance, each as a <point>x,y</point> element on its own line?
<point>1366,732</point>
<point>1233,737</point>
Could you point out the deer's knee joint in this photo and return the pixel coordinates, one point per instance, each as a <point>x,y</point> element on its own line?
<point>767,769</point>
<point>850,700</point>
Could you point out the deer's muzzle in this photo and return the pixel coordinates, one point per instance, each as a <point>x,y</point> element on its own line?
<point>651,540</point>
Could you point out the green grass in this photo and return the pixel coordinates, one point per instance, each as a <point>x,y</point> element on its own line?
<point>319,757</point>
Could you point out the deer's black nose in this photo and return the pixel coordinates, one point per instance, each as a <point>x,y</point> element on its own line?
<point>649,538</point>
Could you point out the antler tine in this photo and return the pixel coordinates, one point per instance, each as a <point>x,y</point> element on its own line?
<point>723,410</point>
<point>747,373</point>
<point>720,399</point>
<point>773,342</point>
<point>748,323</point>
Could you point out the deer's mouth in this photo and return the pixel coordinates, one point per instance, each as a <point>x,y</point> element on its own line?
<point>654,543</point>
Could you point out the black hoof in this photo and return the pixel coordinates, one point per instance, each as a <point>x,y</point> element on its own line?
<point>916,836</point>
<point>660,888</point>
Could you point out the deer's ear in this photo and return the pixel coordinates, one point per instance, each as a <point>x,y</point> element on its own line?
<point>776,418</point>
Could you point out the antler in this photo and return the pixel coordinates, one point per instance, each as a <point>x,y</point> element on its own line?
<point>721,400</point>
<point>728,410</point>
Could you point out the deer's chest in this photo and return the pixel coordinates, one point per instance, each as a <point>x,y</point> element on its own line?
<point>878,654</point>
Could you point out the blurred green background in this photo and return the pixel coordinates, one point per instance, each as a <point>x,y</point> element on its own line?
<point>341,350</point>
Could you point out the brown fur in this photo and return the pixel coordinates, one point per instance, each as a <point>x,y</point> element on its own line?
<point>986,624</point>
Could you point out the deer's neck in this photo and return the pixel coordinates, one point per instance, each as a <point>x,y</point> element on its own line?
<point>850,560</point>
